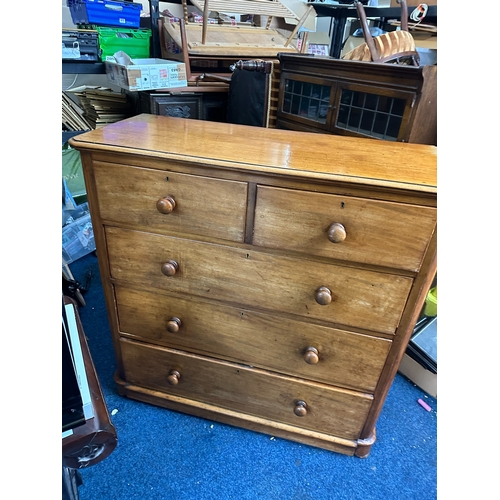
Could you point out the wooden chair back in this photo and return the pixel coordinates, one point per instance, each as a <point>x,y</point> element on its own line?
<point>393,47</point>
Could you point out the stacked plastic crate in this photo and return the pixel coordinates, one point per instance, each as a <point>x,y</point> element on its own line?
<point>117,24</point>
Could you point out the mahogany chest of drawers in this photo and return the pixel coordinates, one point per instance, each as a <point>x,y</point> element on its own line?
<point>263,278</point>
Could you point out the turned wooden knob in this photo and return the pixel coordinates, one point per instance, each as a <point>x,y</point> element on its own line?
<point>336,233</point>
<point>311,355</point>
<point>173,377</point>
<point>300,409</point>
<point>173,325</point>
<point>169,268</point>
<point>323,296</point>
<point>165,205</point>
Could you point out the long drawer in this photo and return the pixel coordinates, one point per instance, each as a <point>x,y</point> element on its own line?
<point>329,292</point>
<point>339,412</point>
<point>135,195</point>
<point>262,340</point>
<point>375,232</point>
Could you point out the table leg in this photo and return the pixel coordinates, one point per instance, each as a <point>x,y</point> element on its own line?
<point>339,23</point>
<point>71,479</point>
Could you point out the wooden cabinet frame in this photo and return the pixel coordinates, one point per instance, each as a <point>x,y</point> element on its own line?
<point>416,86</point>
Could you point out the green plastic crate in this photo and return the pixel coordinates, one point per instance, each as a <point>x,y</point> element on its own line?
<point>135,42</point>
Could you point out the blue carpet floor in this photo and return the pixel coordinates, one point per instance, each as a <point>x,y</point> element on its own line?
<point>165,455</point>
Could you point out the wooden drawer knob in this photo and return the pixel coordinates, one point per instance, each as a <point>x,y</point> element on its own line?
<point>173,325</point>
<point>173,377</point>
<point>165,205</point>
<point>336,233</point>
<point>323,296</point>
<point>169,268</point>
<point>311,355</point>
<point>300,409</point>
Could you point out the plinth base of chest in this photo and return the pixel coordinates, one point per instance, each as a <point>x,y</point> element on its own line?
<point>361,448</point>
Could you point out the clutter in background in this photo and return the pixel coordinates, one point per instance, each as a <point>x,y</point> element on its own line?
<point>103,28</point>
<point>100,106</point>
<point>77,233</point>
<point>105,13</point>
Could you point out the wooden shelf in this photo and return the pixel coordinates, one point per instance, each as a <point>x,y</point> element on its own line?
<point>83,68</point>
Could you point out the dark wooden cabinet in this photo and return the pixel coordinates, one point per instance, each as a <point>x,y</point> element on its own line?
<point>197,105</point>
<point>94,438</point>
<point>360,99</point>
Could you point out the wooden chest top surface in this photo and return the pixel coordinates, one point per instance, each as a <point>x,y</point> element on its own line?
<point>367,162</point>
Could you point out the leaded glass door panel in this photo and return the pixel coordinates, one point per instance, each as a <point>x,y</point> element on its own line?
<point>307,99</point>
<point>368,111</point>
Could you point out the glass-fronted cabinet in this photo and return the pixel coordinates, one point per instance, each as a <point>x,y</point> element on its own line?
<point>380,101</point>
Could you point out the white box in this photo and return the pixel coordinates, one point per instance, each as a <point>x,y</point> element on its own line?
<point>420,376</point>
<point>144,74</point>
<point>79,363</point>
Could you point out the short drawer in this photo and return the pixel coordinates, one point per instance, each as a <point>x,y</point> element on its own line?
<point>339,412</point>
<point>201,205</point>
<point>367,231</point>
<point>261,340</point>
<point>255,279</point>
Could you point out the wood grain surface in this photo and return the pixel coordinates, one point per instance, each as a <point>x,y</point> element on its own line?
<point>301,154</point>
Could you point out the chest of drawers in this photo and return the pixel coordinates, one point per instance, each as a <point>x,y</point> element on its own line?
<point>262,278</point>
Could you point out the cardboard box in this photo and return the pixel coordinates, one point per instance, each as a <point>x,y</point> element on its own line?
<point>425,40</point>
<point>318,43</point>
<point>144,74</point>
<point>423,378</point>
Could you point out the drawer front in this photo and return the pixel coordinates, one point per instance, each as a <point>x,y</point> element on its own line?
<point>203,206</point>
<point>261,340</point>
<point>358,298</point>
<point>339,412</point>
<point>376,232</point>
